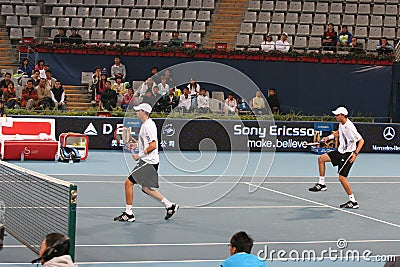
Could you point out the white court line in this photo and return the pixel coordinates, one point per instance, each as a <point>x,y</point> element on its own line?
<point>217,175</point>
<point>212,207</point>
<point>225,243</point>
<point>206,182</point>
<point>325,205</point>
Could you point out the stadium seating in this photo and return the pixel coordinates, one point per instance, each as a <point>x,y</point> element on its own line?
<point>125,20</point>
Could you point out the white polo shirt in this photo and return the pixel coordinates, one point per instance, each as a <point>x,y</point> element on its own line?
<point>348,137</point>
<point>147,134</point>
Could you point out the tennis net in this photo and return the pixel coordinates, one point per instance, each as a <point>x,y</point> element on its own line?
<point>36,205</point>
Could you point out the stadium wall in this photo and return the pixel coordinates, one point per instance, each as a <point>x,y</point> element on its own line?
<point>309,88</point>
<point>226,135</point>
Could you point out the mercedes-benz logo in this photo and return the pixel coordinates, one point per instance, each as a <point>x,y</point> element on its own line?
<point>389,133</point>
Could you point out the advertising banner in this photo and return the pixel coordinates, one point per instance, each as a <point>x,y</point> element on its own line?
<point>226,135</point>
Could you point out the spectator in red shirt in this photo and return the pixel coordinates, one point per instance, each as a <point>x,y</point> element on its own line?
<point>29,97</point>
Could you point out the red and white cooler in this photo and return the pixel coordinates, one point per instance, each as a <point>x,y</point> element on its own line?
<point>35,138</point>
<point>77,141</point>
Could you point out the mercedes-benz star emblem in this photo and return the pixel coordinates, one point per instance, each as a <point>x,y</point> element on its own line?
<point>389,133</point>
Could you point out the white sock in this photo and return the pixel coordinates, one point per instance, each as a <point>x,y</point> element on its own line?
<point>166,202</point>
<point>128,210</point>
<point>352,198</point>
<point>321,180</point>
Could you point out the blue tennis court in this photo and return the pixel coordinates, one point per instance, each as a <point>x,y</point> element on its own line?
<point>280,214</point>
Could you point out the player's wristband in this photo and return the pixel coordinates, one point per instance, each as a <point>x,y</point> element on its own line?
<point>331,137</point>
<point>356,153</point>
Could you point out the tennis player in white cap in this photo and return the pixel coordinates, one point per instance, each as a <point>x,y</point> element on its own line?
<point>145,172</point>
<point>350,144</point>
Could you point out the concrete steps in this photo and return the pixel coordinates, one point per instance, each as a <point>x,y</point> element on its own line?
<point>77,97</point>
<point>225,24</point>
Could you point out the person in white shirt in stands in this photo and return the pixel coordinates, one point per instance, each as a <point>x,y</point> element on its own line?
<point>350,144</point>
<point>163,86</point>
<point>145,172</point>
<point>230,105</point>
<point>185,101</point>
<point>203,105</point>
<point>282,44</point>
<point>268,44</point>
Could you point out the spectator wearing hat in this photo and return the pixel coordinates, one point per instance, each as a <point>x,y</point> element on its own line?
<point>329,38</point>
<point>283,45</point>
<point>175,41</point>
<point>146,42</point>
<point>74,38</point>
<point>118,68</point>
<point>268,44</point>
<point>60,38</point>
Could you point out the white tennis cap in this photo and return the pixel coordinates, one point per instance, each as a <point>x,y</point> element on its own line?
<point>144,106</point>
<point>340,110</point>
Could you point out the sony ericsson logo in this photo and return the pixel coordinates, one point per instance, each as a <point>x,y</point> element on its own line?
<point>168,130</point>
<point>389,133</point>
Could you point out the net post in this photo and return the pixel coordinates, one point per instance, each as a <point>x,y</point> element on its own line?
<point>73,194</point>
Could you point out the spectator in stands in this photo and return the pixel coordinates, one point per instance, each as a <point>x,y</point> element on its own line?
<point>101,85</point>
<point>194,87</point>
<point>10,96</point>
<point>58,96</point>
<point>4,83</point>
<point>258,103</point>
<point>329,38</point>
<point>25,69</point>
<point>177,92</point>
<point>240,248</point>
<point>60,38</point>
<point>127,100</point>
<point>149,98</point>
<point>118,68</point>
<point>29,96</point>
<point>74,38</point>
<point>282,44</point>
<point>273,102</point>
<point>3,113</point>
<point>175,41</point>
<point>156,92</point>
<point>344,38</point>
<point>39,65</point>
<point>119,87</point>
<point>155,76</point>
<point>50,81</point>
<point>148,84</point>
<point>356,47</point>
<point>95,80</point>
<point>384,48</point>
<point>108,98</point>
<point>163,86</point>
<point>185,102</point>
<point>203,105</point>
<point>268,44</point>
<point>35,77</point>
<point>55,251</point>
<point>44,95</point>
<point>158,102</point>
<point>168,76</point>
<point>230,105</point>
<point>243,107</point>
<point>146,42</point>
<point>170,101</point>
